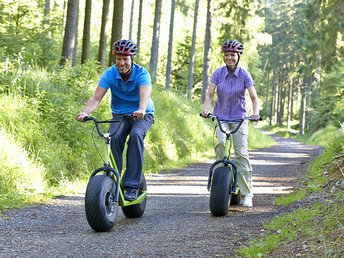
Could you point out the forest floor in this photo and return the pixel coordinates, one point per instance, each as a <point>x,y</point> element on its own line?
<point>177,220</point>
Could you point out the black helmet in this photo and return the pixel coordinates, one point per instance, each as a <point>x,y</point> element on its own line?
<point>124,47</point>
<point>233,45</point>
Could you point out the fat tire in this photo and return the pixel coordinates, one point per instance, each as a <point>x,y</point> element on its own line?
<point>101,210</point>
<point>220,192</point>
<point>137,210</point>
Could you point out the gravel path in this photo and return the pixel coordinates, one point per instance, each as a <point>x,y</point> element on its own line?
<point>177,220</point>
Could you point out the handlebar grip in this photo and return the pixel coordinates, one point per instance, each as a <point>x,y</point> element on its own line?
<point>208,116</point>
<point>259,119</point>
<point>86,118</point>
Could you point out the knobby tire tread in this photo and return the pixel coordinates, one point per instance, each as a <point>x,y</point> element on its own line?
<point>220,193</point>
<point>95,207</point>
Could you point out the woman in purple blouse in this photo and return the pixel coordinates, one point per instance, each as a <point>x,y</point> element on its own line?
<point>231,82</point>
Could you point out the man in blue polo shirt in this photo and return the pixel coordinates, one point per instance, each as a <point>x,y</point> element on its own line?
<point>131,89</point>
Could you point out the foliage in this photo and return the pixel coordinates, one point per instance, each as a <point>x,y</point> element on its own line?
<point>180,71</point>
<point>318,227</point>
<point>21,177</point>
<point>24,32</point>
<point>322,137</point>
<point>330,106</point>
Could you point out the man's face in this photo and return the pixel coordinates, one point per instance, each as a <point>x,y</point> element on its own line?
<point>123,63</point>
<point>231,58</point>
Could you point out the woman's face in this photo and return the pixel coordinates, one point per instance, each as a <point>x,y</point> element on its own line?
<point>231,59</point>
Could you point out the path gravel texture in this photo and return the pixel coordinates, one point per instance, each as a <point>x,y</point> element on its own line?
<point>177,221</point>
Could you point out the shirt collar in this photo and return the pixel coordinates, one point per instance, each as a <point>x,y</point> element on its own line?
<point>236,72</point>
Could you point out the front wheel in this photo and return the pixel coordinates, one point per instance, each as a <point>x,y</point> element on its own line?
<point>137,210</point>
<point>100,206</point>
<point>220,192</point>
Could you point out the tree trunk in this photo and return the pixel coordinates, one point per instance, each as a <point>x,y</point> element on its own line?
<point>272,96</point>
<point>46,20</point>
<point>103,36</point>
<point>117,21</point>
<point>318,77</point>
<point>169,54</point>
<point>303,107</point>
<point>207,51</point>
<point>192,59</point>
<point>282,101</point>
<point>70,35</point>
<point>64,16</point>
<point>75,50</point>
<point>139,31</point>
<point>289,106</point>
<point>292,100</point>
<point>86,36</point>
<point>153,65</point>
<point>267,87</point>
<point>276,103</point>
<point>131,19</point>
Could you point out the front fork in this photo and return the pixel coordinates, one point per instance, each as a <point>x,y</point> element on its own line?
<point>110,171</point>
<point>226,162</point>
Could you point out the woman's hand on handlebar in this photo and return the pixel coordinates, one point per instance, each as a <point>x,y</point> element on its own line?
<point>255,117</point>
<point>80,117</point>
<point>205,113</point>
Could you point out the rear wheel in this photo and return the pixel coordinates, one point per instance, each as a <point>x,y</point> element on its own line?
<point>100,206</point>
<point>236,198</point>
<point>137,210</point>
<point>220,192</point>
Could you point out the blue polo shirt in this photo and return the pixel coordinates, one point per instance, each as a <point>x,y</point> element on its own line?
<point>125,96</point>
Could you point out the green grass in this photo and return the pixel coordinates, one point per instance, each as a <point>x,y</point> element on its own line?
<point>318,226</point>
<point>257,139</point>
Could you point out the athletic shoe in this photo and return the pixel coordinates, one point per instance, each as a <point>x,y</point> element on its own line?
<point>248,201</point>
<point>131,194</point>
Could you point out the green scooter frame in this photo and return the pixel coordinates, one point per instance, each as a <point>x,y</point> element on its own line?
<point>105,191</point>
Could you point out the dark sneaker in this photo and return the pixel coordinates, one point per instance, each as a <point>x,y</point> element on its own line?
<point>131,194</point>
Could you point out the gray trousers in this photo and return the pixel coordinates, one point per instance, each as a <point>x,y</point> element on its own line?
<point>240,143</point>
<point>137,130</point>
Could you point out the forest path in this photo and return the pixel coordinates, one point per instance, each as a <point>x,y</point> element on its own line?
<point>177,220</point>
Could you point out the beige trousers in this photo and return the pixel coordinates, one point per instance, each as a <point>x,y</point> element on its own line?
<point>240,143</point>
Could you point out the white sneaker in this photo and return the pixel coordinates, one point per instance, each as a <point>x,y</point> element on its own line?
<point>248,201</point>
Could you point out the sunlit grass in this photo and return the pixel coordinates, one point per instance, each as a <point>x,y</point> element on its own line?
<point>22,178</point>
<point>318,226</point>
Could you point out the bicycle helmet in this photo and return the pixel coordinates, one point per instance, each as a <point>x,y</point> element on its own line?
<point>124,47</point>
<point>233,46</point>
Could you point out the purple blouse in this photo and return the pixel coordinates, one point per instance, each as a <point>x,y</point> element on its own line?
<point>230,102</point>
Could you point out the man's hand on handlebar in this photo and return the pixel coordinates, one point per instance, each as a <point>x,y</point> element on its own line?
<point>80,117</point>
<point>139,114</point>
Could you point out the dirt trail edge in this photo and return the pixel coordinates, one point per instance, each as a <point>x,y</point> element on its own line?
<point>177,221</point>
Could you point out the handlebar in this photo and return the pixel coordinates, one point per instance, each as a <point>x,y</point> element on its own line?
<point>96,122</point>
<point>240,121</point>
<point>232,120</point>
